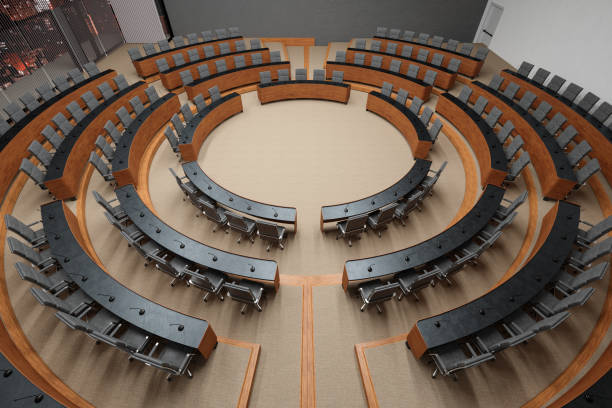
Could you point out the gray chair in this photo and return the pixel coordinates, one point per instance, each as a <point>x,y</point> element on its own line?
<point>224,48</point>
<point>517,167</point>
<point>491,229</point>
<point>61,83</point>
<point>434,130</point>
<point>391,48</point>
<point>360,44</point>
<point>174,267</point>
<point>430,77</point>
<point>203,71</point>
<point>359,58</point>
<point>386,89</point>
<point>36,238</point>
<point>337,76</point>
<point>375,45</point>
<point>409,204</point>
<point>116,212</point>
<point>256,58</point>
<point>46,92</point>
<point>496,339</point>
<point>511,90</point>
<point>474,249</point>
<point>42,259</point>
<point>566,136</point>
<point>134,54</point>
<point>301,74</point>
<point>466,49</point>
<point>603,112</point>
<point>595,231</point>
<point>178,42</point>
<point>112,131</point>
<point>162,65</point>
<point>381,31</point>
<point>283,75</point>
<point>453,65</point>
<point>265,77</point>
<point>464,94</point>
<point>503,212</point>
<point>540,76</point>
<point>513,147</point>
<point>209,51</point>
<point>186,186</point>
<point>172,138</point>
<point>408,35</point>
<point>379,220</point>
<point>29,101</point>
<point>555,123</point>
<point>106,149</point>
<point>394,33</point>
<point>451,45</point>
<point>90,100</point>
<point>149,49</point>
<point>415,105</point>
<point>413,71</point>
<point>14,111</point>
<point>527,100</point>
<point>4,127</point>
<point>495,82</point>
<point>163,45</point>
<point>548,304</point>
<point>207,35</point>
<point>192,38</point>
<point>437,59</point>
<point>588,101</point>
<point>137,105</point>
<point>52,136</point>
<point>422,38</point>
<point>318,75</point>
<point>124,117</point>
<point>215,214</point>
<point>272,233</point>
<point>55,283</point>
<point>406,51</point>
<point>480,105</point>
<point>352,228</point>
<point>426,116</point>
<point>245,226</point>
<point>541,111</point>
<point>214,93</point>
<point>446,266</point>
<point>106,91</point>
<point>578,153</point>
<point>340,56</point>
<point>76,75</point>
<point>402,96</point>
<point>127,338</point>
<point>375,293</point>
<point>275,56</point>
<point>556,83</point>
<point>585,172</point>
<point>582,259</point>
<point>376,61</point>
<point>571,92</point>
<point>33,173</point>
<point>76,303</point>
<point>152,95</point>
<point>178,59</point>
<point>240,45</point>
<point>452,357</point>
<point>395,65</point>
<point>525,68</point>
<point>245,292</point>
<point>481,53</point>
<point>102,167</point>
<point>210,281</point>
<point>422,55</point>
<point>255,43</point>
<point>570,283</point>
<point>193,56</point>
<point>199,102</point>
<point>221,33</point>
<point>505,131</point>
<point>186,77</point>
<point>437,41</point>
<point>42,154</point>
<point>121,82</point>
<point>75,110</point>
<point>239,61</point>
<point>493,116</point>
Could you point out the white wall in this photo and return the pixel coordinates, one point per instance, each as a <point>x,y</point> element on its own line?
<point>139,20</point>
<point>570,38</point>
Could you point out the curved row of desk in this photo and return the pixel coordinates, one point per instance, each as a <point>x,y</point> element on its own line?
<point>376,76</point>
<point>241,267</point>
<point>303,89</point>
<point>171,79</point>
<point>67,248</point>
<point>445,79</point>
<point>470,66</point>
<point>554,244</point>
<point>14,143</point>
<point>146,66</point>
<point>135,139</point>
<point>554,171</point>
<point>66,168</point>
<point>234,78</point>
<point>588,127</point>
<point>485,145</point>
<point>386,266</point>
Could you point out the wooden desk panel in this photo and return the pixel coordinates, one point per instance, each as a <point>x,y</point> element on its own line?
<point>146,66</point>
<point>172,79</point>
<point>469,66</point>
<point>324,90</point>
<point>490,173</point>
<point>445,79</point>
<point>414,131</point>
<point>67,185</point>
<point>376,77</point>
<point>602,147</point>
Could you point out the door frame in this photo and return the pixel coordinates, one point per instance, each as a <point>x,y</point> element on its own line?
<point>477,35</point>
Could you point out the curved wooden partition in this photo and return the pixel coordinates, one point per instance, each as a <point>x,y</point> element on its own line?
<point>66,169</point>
<point>304,89</point>
<point>234,78</point>
<point>376,77</point>
<point>445,78</point>
<point>146,66</point>
<point>487,148</point>
<point>589,128</point>
<point>171,79</point>
<point>404,120</point>
<point>470,66</point>
<point>133,143</point>
<point>554,172</point>
<point>555,242</point>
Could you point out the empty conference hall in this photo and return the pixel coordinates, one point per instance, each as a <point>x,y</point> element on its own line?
<point>350,203</point>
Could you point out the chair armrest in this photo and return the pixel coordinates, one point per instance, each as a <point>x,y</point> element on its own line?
<point>586,223</point>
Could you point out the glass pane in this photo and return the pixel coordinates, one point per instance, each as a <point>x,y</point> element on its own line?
<point>103,22</point>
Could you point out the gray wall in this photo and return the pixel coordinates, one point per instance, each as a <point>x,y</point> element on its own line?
<point>327,20</point>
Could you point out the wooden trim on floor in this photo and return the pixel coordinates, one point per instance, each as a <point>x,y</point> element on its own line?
<point>291,41</point>
<point>145,166</point>
<point>307,61</point>
<point>249,375</point>
<point>327,55</point>
<point>307,364</point>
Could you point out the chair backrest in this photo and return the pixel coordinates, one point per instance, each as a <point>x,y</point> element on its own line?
<point>577,298</point>
<point>192,38</point>
<point>151,93</point>
<point>588,101</point>
<point>402,96</point>
<point>40,153</point>
<point>426,116</point>
<point>178,124</point>
<point>518,165</point>
<point>430,77</point>
<point>124,116</point>
<point>466,48</point>
<point>511,90</point>
<point>496,82</point>
<point>51,135</point>
<point>75,110</point>
<point>555,123</point>
<point>525,68</point>
<point>391,48</point>
<point>275,56</point>
<point>555,83</point>
<point>102,202</point>
<point>376,61</point>
<point>61,83</point>
<point>566,136</point>
<point>149,49</point>
<point>29,101</point>
<point>603,112</point>
<point>464,94</point>
<point>356,223</point>
<point>137,105</point>
<point>527,100</point>
<point>505,131</point>
<point>540,76</point>
<point>549,322</point>
<point>62,123</point>
<point>415,106</point>
<point>578,152</point>
<point>360,43</point>
<point>224,48</point>
<point>187,113</point>
<point>435,129</point>
<point>381,31</point>
<point>422,55</point>
<point>413,71</point>
<point>28,273</point>
<point>395,65</point>
<point>541,111</point>
<point>493,116</point>
<point>394,33</point>
<point>214,93</point>
<point>387,88</point>
<point>337,76</point>
<point>596,251</point>
<point>90,100</point>
<point>162,65</point>
<point>234,31</point>
<point>134,54</point>
<point>91,68</point>
<point>236,221</point>
<point>256,58</point>
<point>318,75</point>
<point>193,55</point>
<point>340,56</point>
<point>179,59</point>
<point>239,61</point>
<point>163,45</point>
<point>407,51</point>
<point>383,292</point>
<point>186,77</point>
<point>99,164</point>
<point>268,229</point>
<point>516,202</point>
<point>203,71</point>
<point>106,149</point>
<point>207,35</point>
<point>283,75</point>
<point>513,147</point>
<point>437,59</point>
<point>18,227</point>
<point>480,105</point>
<point>408,35</point>
<point>14,111</point>
<point>300,74</point>
<point>178,41</point>
<point>437,41</point>
<point>451,45</point>
<point>241,292</point>
<point>481,53</point>
<point>26,252</point>
<point>265,77</point>
<point>112,131</point>
<point>255,43</point>
<point>45,91</point>
<point>423,38</point>
<point>172,138</point>
<point>594,273</point>
<point>76,75</point>
<point>572,91</point>
<point>359,58</point>
<point>4,127</point>
<point>209,51</point>
<point>386,214</point>
<point>240,45</point>
<point>375,45</point>
<point>106,91</point>
<point>453,65</point>
<point>210,211</point>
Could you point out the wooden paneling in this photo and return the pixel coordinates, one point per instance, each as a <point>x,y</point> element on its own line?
<point>313,90</point>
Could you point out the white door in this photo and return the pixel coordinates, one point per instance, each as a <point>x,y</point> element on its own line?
<point>489,23</point>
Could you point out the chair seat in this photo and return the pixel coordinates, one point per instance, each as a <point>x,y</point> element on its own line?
<point>280,233</point>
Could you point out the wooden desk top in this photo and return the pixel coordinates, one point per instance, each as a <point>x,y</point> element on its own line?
<point>303,89</point>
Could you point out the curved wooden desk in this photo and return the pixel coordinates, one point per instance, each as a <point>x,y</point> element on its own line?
<point>339,212</point>
<point>310,89</point>
<point>376,77</point>
<point>487,148</point>
<point>406,122</point>
<point>68,248</point>
<point>387,266</point>
<point>554,245</point>
<point>146,66</point>
<point>237,266</point>
<point>445,78</point>
<point>470,66</point>
<point>235,78</point>
<point>135,139</point>
<point>171,79</point>
<point>589,128</point>
<point>554,172</point>
<point>198,129</point>
<point>274,213</point>
<point>66,167</point>
<point>15,142</point>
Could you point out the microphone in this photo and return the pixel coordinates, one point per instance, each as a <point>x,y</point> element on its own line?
<point>181,244</point>
<point>231,198</point>
<point>275,213</point>
<point>180,326</point>
<point>214,257</point>
<point>111,298</point>
<point>37,398</point>
<point>83,277</point>
<point>157,229</point>
<point>370,267</point>
<point>252,267</point>
<point>140,310</point>
<point>6,372</point>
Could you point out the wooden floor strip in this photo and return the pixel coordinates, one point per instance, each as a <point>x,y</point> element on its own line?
<point>307,391</point>
<point>249,375</point>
